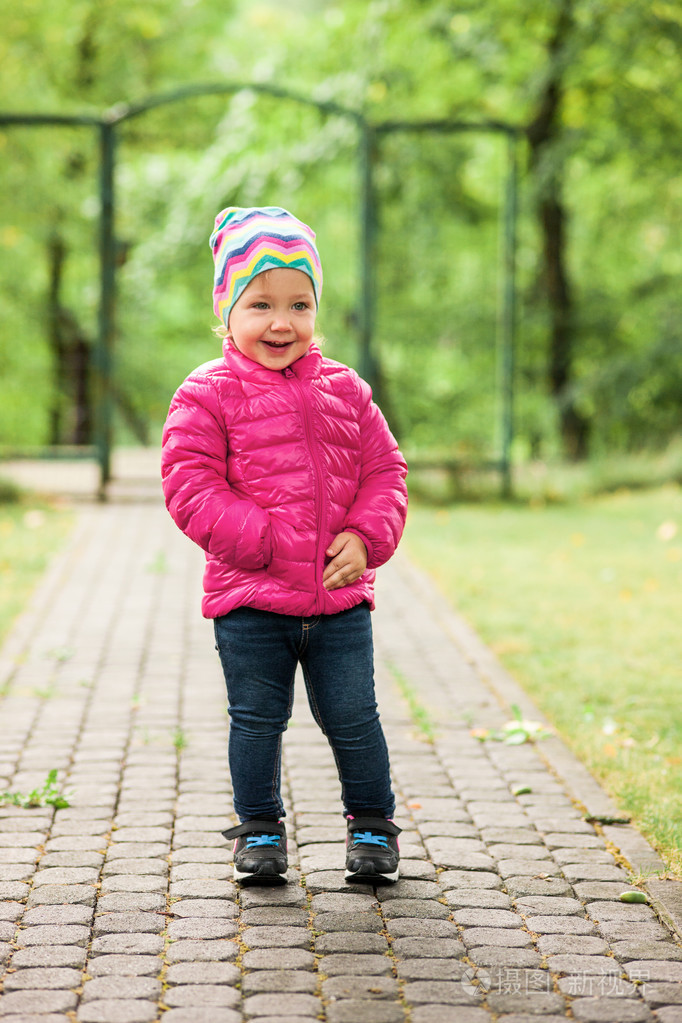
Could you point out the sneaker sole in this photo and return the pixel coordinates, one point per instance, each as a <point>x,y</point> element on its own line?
<point>360,878</point>
<point>267,880</point>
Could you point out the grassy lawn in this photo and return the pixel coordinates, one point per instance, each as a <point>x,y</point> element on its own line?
<point>30,531</point>
<point>583,605</point>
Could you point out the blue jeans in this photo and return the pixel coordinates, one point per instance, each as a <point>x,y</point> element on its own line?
<point>259,652</point>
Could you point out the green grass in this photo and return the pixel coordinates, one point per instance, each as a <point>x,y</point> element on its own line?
<point>583,605</point>
<point>30,532</point>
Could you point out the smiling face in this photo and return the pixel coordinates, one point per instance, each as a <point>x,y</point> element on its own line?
<point>273,320</point>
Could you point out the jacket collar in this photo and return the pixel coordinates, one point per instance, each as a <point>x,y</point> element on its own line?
<point>306,367</point>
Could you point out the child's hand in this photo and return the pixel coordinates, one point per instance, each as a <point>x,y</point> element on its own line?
<point>349,561</point>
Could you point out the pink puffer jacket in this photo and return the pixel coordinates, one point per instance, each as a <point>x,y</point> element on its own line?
<point>262,469</point>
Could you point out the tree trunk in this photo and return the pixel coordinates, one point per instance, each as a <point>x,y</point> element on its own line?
<point>552,220</point>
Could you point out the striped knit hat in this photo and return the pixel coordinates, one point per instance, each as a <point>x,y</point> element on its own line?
<point>247,241</point>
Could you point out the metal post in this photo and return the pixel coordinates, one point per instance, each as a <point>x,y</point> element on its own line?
<point>368,219</point>
<point>508,313</point>
<point>105,337</point>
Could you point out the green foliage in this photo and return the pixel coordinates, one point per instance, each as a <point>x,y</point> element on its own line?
<point>581,604</point>
<point>616,150</point>
<point>49,795</point>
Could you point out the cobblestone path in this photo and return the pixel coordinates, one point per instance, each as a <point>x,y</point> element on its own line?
<point>121,909</point>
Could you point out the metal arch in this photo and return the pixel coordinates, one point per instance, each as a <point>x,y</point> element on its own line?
<point>369,137</point>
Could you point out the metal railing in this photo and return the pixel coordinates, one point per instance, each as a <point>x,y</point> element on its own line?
<point>369,136</point>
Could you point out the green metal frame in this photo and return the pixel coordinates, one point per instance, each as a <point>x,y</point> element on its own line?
<point>369,136</point>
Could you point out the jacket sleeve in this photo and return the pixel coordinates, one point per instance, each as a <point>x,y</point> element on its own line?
<point>195,487</point>
<point>378,512</point>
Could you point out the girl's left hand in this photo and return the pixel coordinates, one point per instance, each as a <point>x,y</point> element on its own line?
<point>349,561</point>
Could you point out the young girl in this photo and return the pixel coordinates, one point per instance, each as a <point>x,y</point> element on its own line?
<point>279,465</point>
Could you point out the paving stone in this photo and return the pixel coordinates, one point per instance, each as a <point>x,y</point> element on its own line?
<point>620,911</point>
<point>562,840</point>
<point>442,992</point>
<point>191,854</point>
<point>350,921</point>
<point>520,887</point>
<point>532,1006</point>
<point>405,889</point>
<point>594,872</point>
<point>73,859</point>
<point>47,934</point>
<point>368,1011</point>
<point>11,910</point>
<point>207,1014</point>
<point>59,895</point>
<point>13,890</point>
<point>143,820</point>
<point>49,955</point>
<point>7,930</point>
<point>327,881</point>
<point>276,937</point>
<point>657,994</point>
<point>606,1010</point>
<point>592,891</point>
<point>444,1014</point>
<point>506,937</point>
<point>287,959</point>
<point>560,925</point>
<point>487,918</point>
<point>431,969</point>
<point>44,979</point>
<point>549,906</point>
<point>105,988</point>
<point>649,969</point>
<point>669,1014</point>
<point>135,866</point>
<point>133,883</point>
<point>215,908</point>
<point>347,941</point>
<point>16,872</point>
<point>267,981</point>
<point>117,1011</point>
<point>363,988</point>
<point>626,951</point>
<point>22,839</point>
<point>417,909</point>
<point>132,902</point>
<point>469,879</point>
<point>342,964</point>
<point>582,964</point>
<point>127,944</point>
<point>571,944</point>
<point>499,956</point>
<point>203,951</point>
<point>406,927</point>
<point>202,889</point>
<point>189,995</point>
<point>142,834</point>
<point>510,836</point>
<point>413,948</point>
<point>136,850</point>
<point>192,927</point>
<point>127,923</point>
<point>480,898</point>
<point>615,930</point>
<point>124,966</point>
<point>593,986</point>
<point>572,856</point>
<point>347,901</point>
<point>204,973</point>
<point>37,1002</point>
<point>77,843</point>
<point>282,1004</point>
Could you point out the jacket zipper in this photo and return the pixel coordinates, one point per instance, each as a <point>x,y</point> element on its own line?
<point>319,480</point>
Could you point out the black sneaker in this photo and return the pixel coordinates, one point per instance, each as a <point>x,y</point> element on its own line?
<point>372,854</point>
<point>260,852</point>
